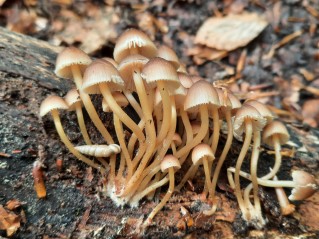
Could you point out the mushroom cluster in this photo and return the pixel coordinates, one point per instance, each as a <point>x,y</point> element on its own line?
<point>172,130</point>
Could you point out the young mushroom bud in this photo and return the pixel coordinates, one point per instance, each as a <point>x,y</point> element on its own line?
<point>286,207</point>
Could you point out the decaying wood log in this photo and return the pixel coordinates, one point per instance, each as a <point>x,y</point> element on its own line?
<point>73,207</point>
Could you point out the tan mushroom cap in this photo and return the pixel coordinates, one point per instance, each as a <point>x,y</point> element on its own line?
<point>177,139</point>
<point>201,93</point>
<point>185,80</point>
<point>196,78</point>
<point>158,69</point>
<point>68,57</point>
<point>275,128</point>
<point>246,112</point>
<point>110,60</point>
<point>136,39</point>
<point>170,161</point>
<point>168,54</point>
<point>261,108</point>
<point>180,95</point>
<point>101,72</point>
<point>52,102</point>
<point>119,98</point>
<point>306,185</point>
<point>72,98</point>
<point>126,69</point>
<point>182,68</point>
<point>200,151</point>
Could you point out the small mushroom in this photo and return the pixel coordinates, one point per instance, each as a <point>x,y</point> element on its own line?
<point>53,104</point>
<point>168,165</point>
<point>71,63</point>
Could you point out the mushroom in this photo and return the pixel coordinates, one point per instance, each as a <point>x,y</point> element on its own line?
<point>168,54</point>
<point>70,63</point>
<point>73,100</point>
<point>275,134</point>
<point>161,73</point>
<point>247,119</point>
<point>303,184</point>
<point>195,102</point>
<point>103,77</point>
<point>53,104</point>
<point>168,165</point>
<point>229,103</point>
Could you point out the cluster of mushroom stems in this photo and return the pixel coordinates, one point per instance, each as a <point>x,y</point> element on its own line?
<point>172,130</point>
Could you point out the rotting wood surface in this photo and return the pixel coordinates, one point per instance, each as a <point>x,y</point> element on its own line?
<point>73,207</point>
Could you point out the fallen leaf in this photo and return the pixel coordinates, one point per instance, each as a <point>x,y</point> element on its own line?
<point>13,204</point>
<point>201,54</point>
<point>230,32</point>
<point>9,221</point>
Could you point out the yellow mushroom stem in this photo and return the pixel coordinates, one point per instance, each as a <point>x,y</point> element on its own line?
<point>221,160</point>
<point>163,150</point>
<point>241,157</point>
<point>79,115</point>
<point>89,105</point>
<point>69,145</point>
<point>167,110</point>
<point>129,96</point>
<point>253,171</point>
<point>171,175</point>
<point>124,151</point>
<point>150,132</point>
<point>201,133</point>
<point>107,94</point>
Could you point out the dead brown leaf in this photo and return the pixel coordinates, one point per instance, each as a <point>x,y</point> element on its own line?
<point>13,204</point>
<point>9,221</point>
<point>201,54</point>
<point>230,32</point>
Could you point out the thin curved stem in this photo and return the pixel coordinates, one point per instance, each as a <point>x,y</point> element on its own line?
<point>88,105</point>
<point>69,145</point>
<point>79,115</point>
<point>165,198</point>
<point>243,152</point>
<point>222,158</point>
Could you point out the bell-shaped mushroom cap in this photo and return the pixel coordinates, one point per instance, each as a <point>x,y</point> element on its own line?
<point>52,102</point>
<point>168,54</point>
<point>126,69</point>
<point>185,80</point>
<point>195,78</point>
<point>170,161</point>
<point>158,69</point>
<point>68,57</point>
<point>275,128</point>
<point>110,60</point>
<point>201,93</point>
<point>261,108</point>
<point>177,139</point>
<point>71,98</point>
<point>119,98</point>
<point>246,112</point>
<point>305,185</point>
<point>180,95</point>
<point>234,102</point>
<point>200,151</point>
<point>101,72</point>
<point>133,40</point>
<point>182,68</point>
